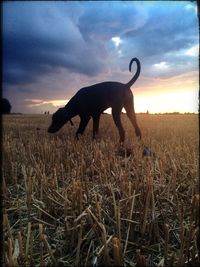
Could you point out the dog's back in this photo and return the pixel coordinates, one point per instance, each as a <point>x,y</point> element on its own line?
<point>98,97</point>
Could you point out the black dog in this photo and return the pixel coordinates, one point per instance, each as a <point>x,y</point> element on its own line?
<point>91,101</point>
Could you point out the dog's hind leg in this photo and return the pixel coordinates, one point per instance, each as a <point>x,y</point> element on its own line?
<point>129,107</point>
<point>83,123</point>
<point>116,117</point>
<point>96,119</point>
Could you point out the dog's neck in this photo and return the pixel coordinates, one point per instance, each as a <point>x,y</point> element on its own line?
<point>70,110</point>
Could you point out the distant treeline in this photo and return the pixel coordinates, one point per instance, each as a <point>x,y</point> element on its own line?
<point>165,113</point>
<point>176,113</point>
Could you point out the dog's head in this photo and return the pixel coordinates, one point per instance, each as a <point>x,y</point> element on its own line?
<point>59,118</point>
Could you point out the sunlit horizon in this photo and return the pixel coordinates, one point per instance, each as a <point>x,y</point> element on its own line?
<point>153,104</point>
<point>174,94</point>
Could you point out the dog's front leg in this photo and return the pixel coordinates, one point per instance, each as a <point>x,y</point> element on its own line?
<point>83,123</point>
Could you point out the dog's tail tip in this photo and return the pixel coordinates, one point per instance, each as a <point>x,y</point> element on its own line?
<point>133,59</point>
<point>131,82</point>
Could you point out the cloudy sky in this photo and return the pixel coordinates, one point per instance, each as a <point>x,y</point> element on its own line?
<point>52,49</point>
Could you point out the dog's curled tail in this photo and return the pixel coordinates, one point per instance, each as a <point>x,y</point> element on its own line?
<point>131,82</point>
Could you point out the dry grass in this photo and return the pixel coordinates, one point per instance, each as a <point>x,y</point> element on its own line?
<point>72,203</point>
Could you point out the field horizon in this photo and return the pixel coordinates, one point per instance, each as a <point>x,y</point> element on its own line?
<point>137,113</point>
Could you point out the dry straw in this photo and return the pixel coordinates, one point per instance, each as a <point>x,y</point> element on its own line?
<point>91,203</point>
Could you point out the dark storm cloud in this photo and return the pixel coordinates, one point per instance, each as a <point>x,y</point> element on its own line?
<point>100,22</point>
<point>38,39</point>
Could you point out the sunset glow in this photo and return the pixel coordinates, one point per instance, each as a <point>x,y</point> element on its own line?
<point>60,47</point>
<point>40,102</point>
<point>175,101</point>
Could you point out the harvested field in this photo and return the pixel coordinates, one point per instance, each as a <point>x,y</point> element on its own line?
<point>92,203</point>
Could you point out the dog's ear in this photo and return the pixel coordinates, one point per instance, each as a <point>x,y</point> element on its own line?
<point>71,122</point>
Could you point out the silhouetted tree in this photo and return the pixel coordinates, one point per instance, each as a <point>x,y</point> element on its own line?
<point>5,106</point>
